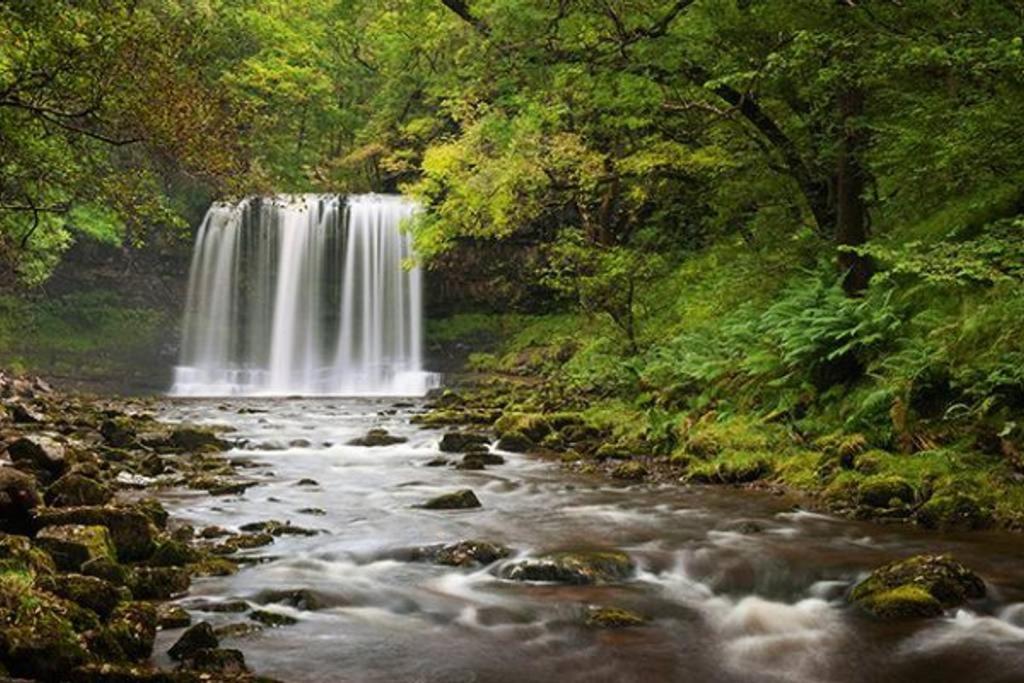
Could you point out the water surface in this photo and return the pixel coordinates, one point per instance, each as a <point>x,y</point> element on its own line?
<point>738,585</point>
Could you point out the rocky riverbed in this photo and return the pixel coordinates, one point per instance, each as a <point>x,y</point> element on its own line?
<point>383,540</point>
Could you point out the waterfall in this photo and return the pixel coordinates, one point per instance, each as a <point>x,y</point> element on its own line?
<point>307,295</point>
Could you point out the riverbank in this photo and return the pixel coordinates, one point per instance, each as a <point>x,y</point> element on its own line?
<point>868,444</point>
<point>89,558</point>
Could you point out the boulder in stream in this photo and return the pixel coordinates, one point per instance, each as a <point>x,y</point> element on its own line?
<point>462,442</point>
<point>39,453</point>
<point>376,438</point>
<point>463,499</point>
<point>195,638</point>
<point>575,568</point>
<point>921,586</point>
<point>72,545</point>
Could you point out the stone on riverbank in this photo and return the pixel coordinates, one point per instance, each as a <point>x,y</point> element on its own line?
<point>462,442</point>
<point>86,591</point>
<point>74,490</point>
<point>533,426</point>
<point>195,638</point>
<point>921,586</point>
<point>884,491</point>
<point>630,471</point>
<point>133,533</point>
<point>575,568</point>
<point>19,497</point>
<point>72,545</point>
<point>40,453</point>
<point>515,442</point>
<point>954,511</point>
<point>463,499</point>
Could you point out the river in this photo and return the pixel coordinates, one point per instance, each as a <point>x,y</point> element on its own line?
<point>737,585</point>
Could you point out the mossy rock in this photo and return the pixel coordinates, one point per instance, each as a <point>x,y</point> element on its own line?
<point>702,446</point>
<point>461,442</point>
<point>173,553</point>
<point>158,583</point>
<point>630,471</point>
<point>172,616</point>
<point>119,432</point>
<point>903,602</point>
<point>469,553</point>
<point>743,472</point>
<point>532,425</point>
<point>19,497</point>
<point>376,438</point>
<point>953,511</point>
<point>213,566</point>
<point>134,625</point>
<point>133,533</point>
<point>40,453</point>
<point>885,491</point>
<point>100,596</point>
<point>574,568</point>
<point>195,638</point>
<point>613,617</point>
<point>40,638</point>
<point>515,442</point>
<point>895,590</point>
<point>463,499</point>
<point>75,489</point>
<point>73,545</point>
<point>17,554</point>
<point>191,439</point>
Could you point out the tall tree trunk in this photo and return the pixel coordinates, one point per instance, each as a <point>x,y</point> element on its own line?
<point>851,179</point>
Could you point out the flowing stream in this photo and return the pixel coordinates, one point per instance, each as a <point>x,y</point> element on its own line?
<point>737,585</point>
<point>307,294</point>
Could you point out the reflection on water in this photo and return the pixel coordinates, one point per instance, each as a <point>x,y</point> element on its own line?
<point>738,586</point>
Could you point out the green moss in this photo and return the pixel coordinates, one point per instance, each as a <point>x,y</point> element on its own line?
<point>613,617</point>
<point>532,425</point>
<point>902,602</point>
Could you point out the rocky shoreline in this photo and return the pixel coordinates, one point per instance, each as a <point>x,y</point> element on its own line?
<point>88,559</point>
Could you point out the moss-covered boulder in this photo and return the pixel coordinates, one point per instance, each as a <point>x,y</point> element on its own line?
<point>462,442</point>
<point>953,511</point>
<point>158,583</point>
<point>107,569</point>
<point>39,638</point>
<point>576,568</point>
<point>885,491</point>
<point>173,553</point>
<point>86,591</point>
<point>132,531</point>
<point>74,489</point>
<point>629,471</point>
<point>532,425</point>
<point>72,545</point>
<point>191,439</point>
<point>133,624</point>
<point>39,453</point>
<point>195,638</point>
<point>921,586</point>
<point>17,554</point>
<point>376,438</point>
<point>119,432</point>
<point>172,616</point>
<point>469,553</point>
<point>743,471</point>
<point>612,617</point>
<point>463,499</point>
<point>19,498</point>
<point>515,442</point>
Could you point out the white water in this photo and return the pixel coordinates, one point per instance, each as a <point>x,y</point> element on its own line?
<point>304,295</point>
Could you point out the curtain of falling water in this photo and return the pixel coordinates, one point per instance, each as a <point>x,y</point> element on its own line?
<point>303,295</point>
